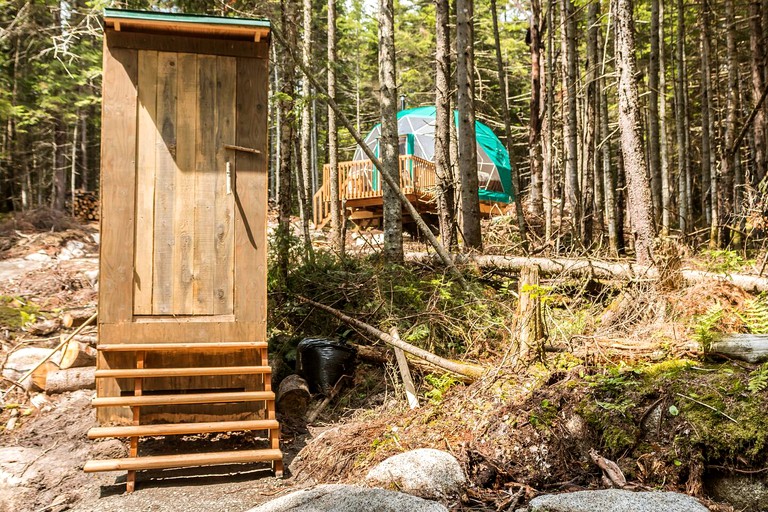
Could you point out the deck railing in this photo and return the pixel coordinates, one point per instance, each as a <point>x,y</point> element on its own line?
<point>357,180</point>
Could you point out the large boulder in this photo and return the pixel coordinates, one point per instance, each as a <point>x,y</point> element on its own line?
<point>348,498</point>
<point>748,493</point>
<point>424,472</point>
<point>616,500</point>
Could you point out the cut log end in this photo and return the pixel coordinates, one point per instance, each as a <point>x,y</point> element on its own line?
<point>76,354</point>
<point>293,397</point>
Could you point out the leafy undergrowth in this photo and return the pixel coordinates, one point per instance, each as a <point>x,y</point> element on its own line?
<point>627,376</point>
<point>429,309</point>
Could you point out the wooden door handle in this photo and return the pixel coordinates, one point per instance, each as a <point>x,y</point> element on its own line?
<point>242,148</point>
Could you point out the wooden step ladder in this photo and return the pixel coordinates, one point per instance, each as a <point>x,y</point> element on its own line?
<point>137,400</point>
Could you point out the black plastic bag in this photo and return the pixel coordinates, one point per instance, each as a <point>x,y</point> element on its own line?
<point>323,361</point>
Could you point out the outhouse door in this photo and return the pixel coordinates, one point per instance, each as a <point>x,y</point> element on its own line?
<point>185,182</point>
<point>185,208</point>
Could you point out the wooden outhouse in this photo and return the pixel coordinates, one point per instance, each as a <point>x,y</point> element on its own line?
<point>182,291</point>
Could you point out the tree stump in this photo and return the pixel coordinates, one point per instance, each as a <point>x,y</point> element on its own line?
<point>530,323</point>
<point>293,397</point>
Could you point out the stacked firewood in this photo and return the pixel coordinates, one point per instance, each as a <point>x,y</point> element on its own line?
<point>85,205</point>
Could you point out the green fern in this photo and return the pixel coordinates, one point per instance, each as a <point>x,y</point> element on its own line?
<point>703,330</point>
<point>758,379</point>
<point>755,315</point>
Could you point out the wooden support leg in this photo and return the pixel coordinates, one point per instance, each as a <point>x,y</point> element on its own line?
<point>277,466</point>
<point>130,485</point>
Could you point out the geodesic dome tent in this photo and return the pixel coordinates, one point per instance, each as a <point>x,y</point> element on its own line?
<point>416,128</point>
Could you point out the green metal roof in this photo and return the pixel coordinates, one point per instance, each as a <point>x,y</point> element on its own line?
<point>184,18</point>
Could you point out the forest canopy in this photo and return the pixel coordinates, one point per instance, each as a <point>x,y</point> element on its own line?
<point>700,76</point>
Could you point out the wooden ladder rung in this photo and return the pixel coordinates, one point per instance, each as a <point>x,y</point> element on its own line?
<point>181,428</point>
<point>183,399</point>
<point>154,347</point>
<point>183,460</point>
<point>120,373</point>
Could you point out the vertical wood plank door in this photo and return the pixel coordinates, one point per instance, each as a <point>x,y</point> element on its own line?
<point>184,256</point>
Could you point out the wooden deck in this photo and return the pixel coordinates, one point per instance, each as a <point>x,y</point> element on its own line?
<point>360,191</point>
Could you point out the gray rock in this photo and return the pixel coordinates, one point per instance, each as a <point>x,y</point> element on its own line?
<point>424,472</point>
<point>744,492</point>
<point>616,500</point>
<point>17,477</point>
<point>348,498</point>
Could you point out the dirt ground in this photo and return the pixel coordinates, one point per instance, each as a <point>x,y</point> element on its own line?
<point>516,435</point>
<point>52,263</point>
<point>42,455</point>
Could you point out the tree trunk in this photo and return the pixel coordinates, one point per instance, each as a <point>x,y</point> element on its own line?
<point>570,128</point>
<point>706,112</point>
<point>470,202</point>
<point>708,122</point>
<point>681,113</point>
<point>305,183</point>
<point>287,134</point>
<point>534,126</point>
<point>59,166</point>
<point>758,80</point>
<point>729,157</point>
<point>629,127</point>
<point>337,217</point>
<point>388,143</point>
<point>443,122</point>
<point>275,184</point>
<point>666,192</point>
<point>530,322</point>
<point>609,171</point>
<point>548,126</point>
<point>534,130</point>
<point>654,151</point>
<point>84,165</point>
<point>590,128</point>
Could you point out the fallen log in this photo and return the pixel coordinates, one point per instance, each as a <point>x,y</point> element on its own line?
<point>381,356</point>
<point>599,269</point>
<point>76,354</point>
<point>752,348</point>
<point>24,359</point>
<point>293,397</point>
<point>86,339</point>
<point>44,328</point>
<point>59,347</point>
<point>468,370</point>
<point>71,379</point>
<point>76,317</point>
<point>40,376</point>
